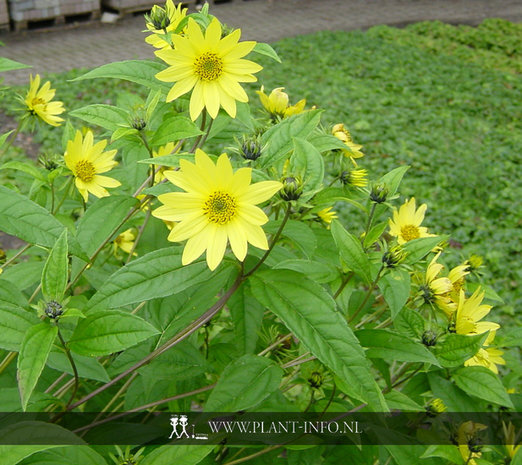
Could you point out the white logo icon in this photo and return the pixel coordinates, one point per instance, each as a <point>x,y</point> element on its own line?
<point>181,422</point>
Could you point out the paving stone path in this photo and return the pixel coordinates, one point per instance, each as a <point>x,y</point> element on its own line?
<point>95,44</point>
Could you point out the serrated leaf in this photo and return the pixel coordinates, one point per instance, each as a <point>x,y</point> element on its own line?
<point>14,319</point>
<point>9,65</point>
<point>157,274</point>
<point>106,116</point>
<point>279,137</point>
<point>417,249</point>
<point>395,287</point>
<point>29,221</point>
<point>56,270</point>
<point>307,162</point>
<point>482,383</point>
<point>173,129</point>
<point>36,345</point>
<point>139,71</point>
<point>103,333</point>
<point>387,345</point>
<point>180,454</point>
<point>351,251</point>
<point>455,349</point>
<point>243,384</point>
<point>309,312</point>
<point>267,50</point>
<point>101,218</point>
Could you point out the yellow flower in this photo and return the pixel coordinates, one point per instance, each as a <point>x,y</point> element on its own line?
<point>467,441</point>
<point>354,150</point>
<point>469,313</point>
<point>436,406</point>
<point>163,150</point>
<point>38,101</point>
<point>211,66</point>
<point>125,242</point>
<point>356,178</point>
<point>487,357</point>
<point>87,160</point>
<point>218,207</point>
<point>434,289</point>
<point>457,278</point>
<point>327,215</point>
<point>277,103</point>
<point>406,223</point>
<point>162,21</point>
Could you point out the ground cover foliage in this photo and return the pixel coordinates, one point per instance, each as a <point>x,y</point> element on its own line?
<point>432,103</point>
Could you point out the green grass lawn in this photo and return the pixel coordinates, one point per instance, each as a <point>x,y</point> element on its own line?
<point>442,99</point>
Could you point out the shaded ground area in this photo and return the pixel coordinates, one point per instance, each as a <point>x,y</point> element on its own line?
<point>95,44</point>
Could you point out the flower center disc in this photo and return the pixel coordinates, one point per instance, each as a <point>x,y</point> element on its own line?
<point>220,208</point>
<point>85,170</point>
<point>37,101</point>
<point>208,66</point>
<point>410,232</point>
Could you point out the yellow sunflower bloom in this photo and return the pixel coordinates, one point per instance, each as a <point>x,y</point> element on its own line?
<point>162,21</point>
<point>125,242</point>
<point>38,101</point>
<point>211,66</point>
<point>218,207</point>
<point>457,276</point>
<point>469,313</point>
<point>435,289</point>
<point>277,103</point>
<point>354,150</point>
<point>327,215</point>
<point>406,222</point>
<point>87,160</point>
<point>487,357</point>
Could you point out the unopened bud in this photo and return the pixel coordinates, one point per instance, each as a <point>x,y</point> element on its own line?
<point>138,123</point>
<point>292,188</point>
<point>393,257</point>
<point>53,309</point>
<point>251,148</point>
<point>379,193</point>
<point>158,18</point>
<point>429,338</point>
<point>435,407</point>
<point>315,380</point>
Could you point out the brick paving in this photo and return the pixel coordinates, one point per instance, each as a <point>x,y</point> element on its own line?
<point>94,44</point>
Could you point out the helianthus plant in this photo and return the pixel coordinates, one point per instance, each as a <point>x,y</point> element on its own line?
<point>224,270</point>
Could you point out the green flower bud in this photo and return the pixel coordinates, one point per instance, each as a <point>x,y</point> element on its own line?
<point>429,338</point>
<point>435,407</point>
<point>292,188</point>
<point>379,193</point>
<point>251,148</point>
<point>393,257</point>
<point>53,309</point>
<point>158,18</point>
<point>315,380</point>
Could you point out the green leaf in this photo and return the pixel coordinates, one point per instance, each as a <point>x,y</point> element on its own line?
<point>4,137</point>
<point>179,454</point>
<point>11,455</point>
<point>172,129</point>
<point>122,132</point>
<point>101,218</point>
<point>247,315</point>
<point>67,455</point>
<point>392,346</point>
<point>417,249</point>
<point>455,399</point>
<point>450,453</point>
<point>9,65</point>
<point>139,71</point>
<point>267,50</point>
<point>279,137</point>
<point>395,287</point>
<point>351,251</point>
<point>34,351</point>
<point>299,233</point>
<point>393,179</point>
<point>27,168</point>
<point>374,234</point>
<point>29,221</point>
<point>482,383</point>
<point>56,270</point>
<point>455,349</point>
<point>103,333</point>
<point>397,400</point>
<point>157,274</point>
<point>14,319</point>
<point>326,142</point>
<point>318,271</point>
<point>87,367</point>
<point>309,312</point>
<point>243,384</point>
<point>307,162</point>
<point>107,116</point>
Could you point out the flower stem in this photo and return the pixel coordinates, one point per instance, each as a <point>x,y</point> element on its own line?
<point>7,360</point>
<point>14,257</point>
<point>273,243</point>
<point>369,223</point>
<point>202,127</point>
<point>346,279</point>
<point>73,365</point>
<point>138,237</point>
